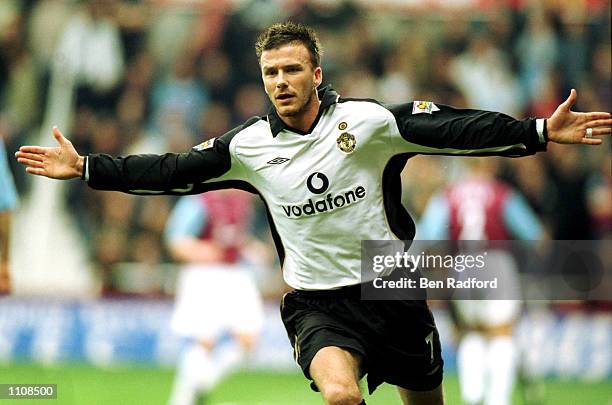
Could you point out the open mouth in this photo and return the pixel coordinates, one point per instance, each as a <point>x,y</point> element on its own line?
<point>282,97</point>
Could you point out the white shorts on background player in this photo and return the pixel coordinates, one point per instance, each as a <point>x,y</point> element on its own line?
<point>494,312</point>
<point>215,299</point>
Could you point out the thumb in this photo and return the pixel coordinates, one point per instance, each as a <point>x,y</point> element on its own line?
<point>59,137</point>
<point>569,102</point>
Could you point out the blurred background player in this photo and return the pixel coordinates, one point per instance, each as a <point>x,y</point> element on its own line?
<point>216,291</point>
<point>480,207</point>
<point>8,202</point>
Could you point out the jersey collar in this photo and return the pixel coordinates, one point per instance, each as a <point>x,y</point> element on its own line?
<point>327,95</point>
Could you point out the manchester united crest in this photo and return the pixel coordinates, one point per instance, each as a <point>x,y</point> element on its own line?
<point>346,142</point>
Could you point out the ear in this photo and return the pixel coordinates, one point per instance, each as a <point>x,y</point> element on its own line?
<point>318,76</point>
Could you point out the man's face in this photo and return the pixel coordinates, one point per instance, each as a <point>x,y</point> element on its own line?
<point>290,79</point>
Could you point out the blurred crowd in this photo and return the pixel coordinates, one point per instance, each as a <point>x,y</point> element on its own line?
<point>163,75</point>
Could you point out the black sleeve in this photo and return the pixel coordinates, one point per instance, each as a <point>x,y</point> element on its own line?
<point>170,173</point>
<point>452,131</point>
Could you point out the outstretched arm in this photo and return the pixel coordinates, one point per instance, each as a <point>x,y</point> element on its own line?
<point>439,129</point>
<point>60,162</point>
<point>205,167</point>
<point>566,126</point>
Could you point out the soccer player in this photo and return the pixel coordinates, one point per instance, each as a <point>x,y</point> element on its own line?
<point>328,169</point>
<point>216,291</point>
<point>8,202</point>
<point>480,207</point>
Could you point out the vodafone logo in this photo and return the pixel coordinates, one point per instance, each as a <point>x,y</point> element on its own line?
<point>317,183</point>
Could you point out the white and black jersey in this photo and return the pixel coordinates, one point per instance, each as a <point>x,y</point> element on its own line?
<point>328,189</point>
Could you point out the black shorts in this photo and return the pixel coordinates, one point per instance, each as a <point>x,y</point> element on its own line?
<point>397,340</point>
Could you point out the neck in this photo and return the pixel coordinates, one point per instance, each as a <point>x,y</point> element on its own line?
<point>304,120</point>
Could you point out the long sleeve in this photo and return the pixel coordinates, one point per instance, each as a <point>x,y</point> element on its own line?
<point>428,128</point>
<point>170,173</point>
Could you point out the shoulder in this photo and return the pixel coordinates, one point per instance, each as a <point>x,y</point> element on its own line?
<point>361,104</point>
<point>358,100</point>
<point>252,125</point>
<point>364,107</point>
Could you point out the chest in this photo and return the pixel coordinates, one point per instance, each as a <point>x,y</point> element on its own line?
<point>340,154</point>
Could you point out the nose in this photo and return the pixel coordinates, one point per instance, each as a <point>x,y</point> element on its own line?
<point>280,80</point>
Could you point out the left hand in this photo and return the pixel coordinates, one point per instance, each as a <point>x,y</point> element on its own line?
<point>566,126</point>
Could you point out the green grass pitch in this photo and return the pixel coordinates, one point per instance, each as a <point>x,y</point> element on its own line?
<point>86,385</point>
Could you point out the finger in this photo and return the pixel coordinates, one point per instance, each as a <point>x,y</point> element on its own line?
<point>567,104</point>
<point>599,123</point>
<point>31,163</point>
<point>34,149</point>
<point>58,136</point>
<point>598,115</point>
<point>31,156</point>
<point>591,141</point>
<point>602,131</point>
<point>36,171</point>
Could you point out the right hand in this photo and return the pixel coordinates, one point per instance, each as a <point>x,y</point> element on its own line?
<point>61,162</point>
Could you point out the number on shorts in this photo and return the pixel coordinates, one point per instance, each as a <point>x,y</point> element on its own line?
<point>429,341</point>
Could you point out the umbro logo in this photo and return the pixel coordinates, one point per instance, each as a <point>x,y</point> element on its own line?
<point>278,161</point>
